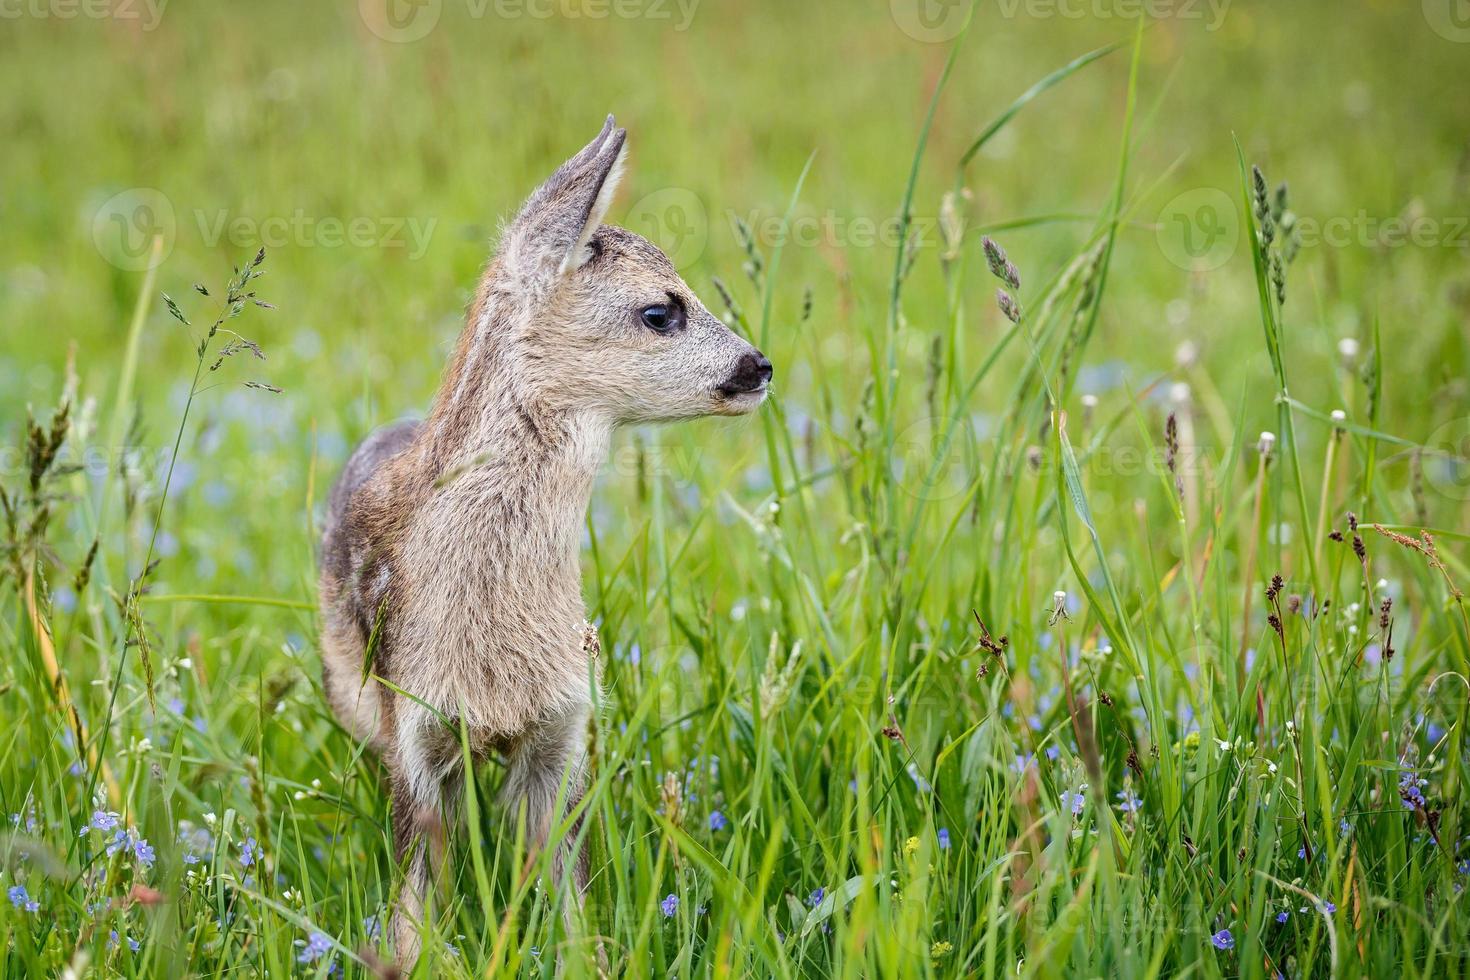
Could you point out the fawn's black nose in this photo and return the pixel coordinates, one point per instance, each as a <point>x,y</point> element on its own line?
<point>751,374</point>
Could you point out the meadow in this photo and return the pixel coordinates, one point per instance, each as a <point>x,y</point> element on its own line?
<point>1087,599</point>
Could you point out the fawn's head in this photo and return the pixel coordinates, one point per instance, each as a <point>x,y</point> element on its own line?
<point>605,322</point>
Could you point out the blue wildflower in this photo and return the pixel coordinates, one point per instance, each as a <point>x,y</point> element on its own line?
<point>1328,908</point>
<point>127,839</point>
<point>103,820</point>
<point>1075,801</point>
<point>716,820</point>
<point>22,900</point>
<point>197,842</point>
<point>816,897</point>
<point>1129,802</point>
<point>249,852</point>
<point>317,945</point>
<point>1223,940</point>
<point>943,838</point>
<point>1411,790</point>
<point>669,906</point>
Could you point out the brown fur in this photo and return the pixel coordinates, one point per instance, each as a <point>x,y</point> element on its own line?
<point>452,544</point>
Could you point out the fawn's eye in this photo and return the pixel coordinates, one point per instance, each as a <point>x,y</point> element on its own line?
<point>663,317</point>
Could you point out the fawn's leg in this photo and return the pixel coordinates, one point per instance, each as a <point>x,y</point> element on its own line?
<point>540,762</point>
<point>426,775</point>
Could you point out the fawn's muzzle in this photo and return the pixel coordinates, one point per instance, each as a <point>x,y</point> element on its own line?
<point>752,374</point>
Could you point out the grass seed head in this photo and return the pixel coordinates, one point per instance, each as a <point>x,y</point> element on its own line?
<point>1008,305</point>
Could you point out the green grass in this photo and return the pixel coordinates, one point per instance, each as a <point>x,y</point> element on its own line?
<point>836,625</point>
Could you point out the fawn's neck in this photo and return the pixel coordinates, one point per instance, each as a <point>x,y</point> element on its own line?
<point>509,460</point>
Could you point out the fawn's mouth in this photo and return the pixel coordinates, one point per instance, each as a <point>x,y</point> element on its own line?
<point>736,401</point>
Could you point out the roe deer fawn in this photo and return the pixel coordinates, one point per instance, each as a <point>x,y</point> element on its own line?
<point>449,562</point>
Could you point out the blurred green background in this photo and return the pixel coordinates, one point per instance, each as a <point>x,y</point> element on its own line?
<point>376,172</point>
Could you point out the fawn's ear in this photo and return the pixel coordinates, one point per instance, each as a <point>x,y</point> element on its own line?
<point>551,233</point>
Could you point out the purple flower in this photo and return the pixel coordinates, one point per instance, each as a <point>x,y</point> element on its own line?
<point>1130,803</point>
<point>317,945</point>
<point>197,843</point>
<point>1411,790</point>
<point>1282,916</point>
<point>128,840</point>
<point>943,838</point>
<point>1328,908</point>
<point>249,852</point>
<point>103,820</point>
<point>669,906</point>
<point>1223,940</point>
<point>716,820</point>
<point>816,897</point>
<point>113,940</point>
<point>22,900</point>
<point>1074,801</point>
